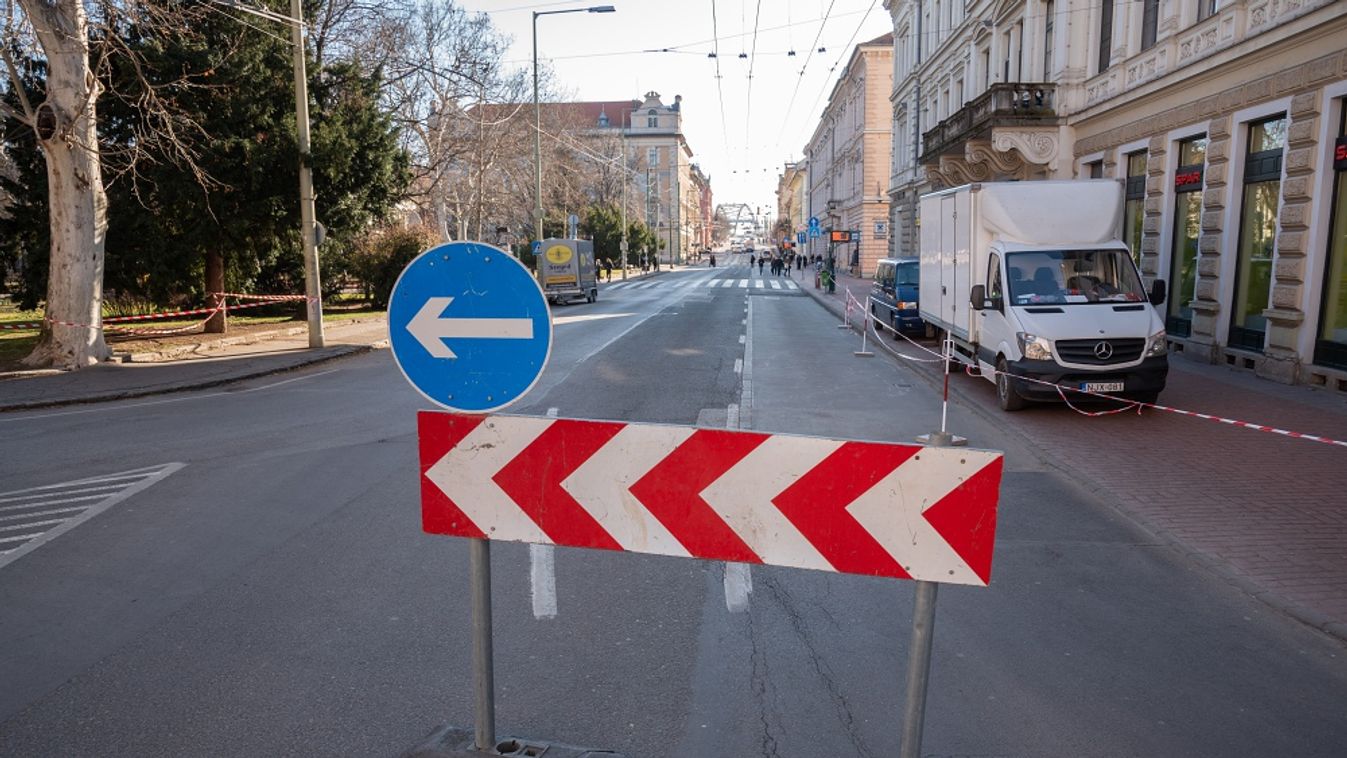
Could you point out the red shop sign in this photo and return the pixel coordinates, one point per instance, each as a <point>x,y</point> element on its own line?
<point>1340,154</point>
<point>1188,178</point>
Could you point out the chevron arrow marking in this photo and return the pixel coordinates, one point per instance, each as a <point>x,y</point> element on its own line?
<point>869,508</point>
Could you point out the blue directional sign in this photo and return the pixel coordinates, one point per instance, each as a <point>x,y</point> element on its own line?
<point>799,237</point>
<point>469,327</point>
<point>536,246</point>
<point>813,222</point>
<point>814,232</point>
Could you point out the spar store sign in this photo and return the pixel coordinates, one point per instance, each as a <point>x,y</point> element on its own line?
<point>1340,154</point>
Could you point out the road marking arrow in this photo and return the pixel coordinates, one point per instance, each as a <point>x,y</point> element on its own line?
<point>430,329</point>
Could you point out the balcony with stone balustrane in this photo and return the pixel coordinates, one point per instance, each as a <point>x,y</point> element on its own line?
<point>1002,105</point>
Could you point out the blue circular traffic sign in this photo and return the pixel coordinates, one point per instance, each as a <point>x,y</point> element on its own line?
<point>469,327</point>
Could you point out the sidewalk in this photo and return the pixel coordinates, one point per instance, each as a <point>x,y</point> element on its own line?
<point>208,361</point>
<point>1267,511</point>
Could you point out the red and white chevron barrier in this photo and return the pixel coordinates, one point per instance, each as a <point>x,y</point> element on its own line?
<point>871,508</point>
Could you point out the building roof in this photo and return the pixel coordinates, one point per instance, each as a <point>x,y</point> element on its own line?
<point>586,113</point>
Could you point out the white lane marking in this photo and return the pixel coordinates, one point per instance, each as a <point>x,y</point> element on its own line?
<point>31,495</point>
<point>62,501</point>
<point>552,412</point>
<point>738,365</point>
<point>563,320</point>
<point>742,339</point>
<point>738,586</point>
<point>792,286</point>
<point>48,512</point>
<point>38,539</point>
<point>757,284</point>
<point>48,522</point>
<point>775,284</point>
<point>543,581</point>
<point>743,284</point>
<point>617,286</point>
<point>16,538</point>
<point>285,381</point>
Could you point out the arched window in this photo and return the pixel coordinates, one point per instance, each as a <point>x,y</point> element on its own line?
<point>651,120</point>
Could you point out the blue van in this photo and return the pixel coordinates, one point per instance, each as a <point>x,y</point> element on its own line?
<point>893,294</point>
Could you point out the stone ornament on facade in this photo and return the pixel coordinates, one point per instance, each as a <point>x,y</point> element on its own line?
<point>1037,147</point>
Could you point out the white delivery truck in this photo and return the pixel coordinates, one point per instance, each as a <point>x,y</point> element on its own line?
<point>566,270</point>
<point>1031,282</point>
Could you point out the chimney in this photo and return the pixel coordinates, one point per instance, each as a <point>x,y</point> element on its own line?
<point>678,103</point>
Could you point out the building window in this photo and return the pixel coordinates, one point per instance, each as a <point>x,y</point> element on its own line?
<point>1134,204</point>
<point>1187,227</point>
<point>1095,169</point>
<point>652,156</point>
<point>986,69</point>
<point>1150,17</point>
<point>1105,34</point>
<point>1330,349</point>
<point>651,119</point>
<point>1049,12</point>
<point>1207,8</point>
<point>1257,233</point>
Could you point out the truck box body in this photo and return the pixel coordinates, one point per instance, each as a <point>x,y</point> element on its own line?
<point>566,270</point>
<point>1048,259</point>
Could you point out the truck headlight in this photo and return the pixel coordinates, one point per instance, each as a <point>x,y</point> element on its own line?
<point>1034,348</point>
<point>1157,345</point>
<point>904,305</point>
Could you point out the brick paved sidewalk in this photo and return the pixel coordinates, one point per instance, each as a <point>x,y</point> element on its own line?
<point>1268,511</point>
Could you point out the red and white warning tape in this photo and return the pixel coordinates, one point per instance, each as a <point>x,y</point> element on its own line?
<point>264,300</point>
<point>1137,405</point>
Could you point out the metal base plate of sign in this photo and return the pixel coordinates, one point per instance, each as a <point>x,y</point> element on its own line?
<point>452,742</point>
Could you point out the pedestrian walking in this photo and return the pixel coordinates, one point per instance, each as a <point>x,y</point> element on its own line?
<point>761,261</point>
<point>751,260</point>
<point>608,268</point>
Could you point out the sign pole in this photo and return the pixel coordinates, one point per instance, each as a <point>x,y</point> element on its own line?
<point>483,676</point>
<point>918,669</point>
<point>919,652</point>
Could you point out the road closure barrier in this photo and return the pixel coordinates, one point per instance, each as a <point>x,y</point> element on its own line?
<point>1067,392</point>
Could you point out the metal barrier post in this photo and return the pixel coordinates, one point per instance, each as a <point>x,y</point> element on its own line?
<point>865,335</point>
<point>483,675</point>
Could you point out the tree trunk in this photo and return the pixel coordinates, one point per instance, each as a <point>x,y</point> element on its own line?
<point>73,335</point>
<point>215,281</point>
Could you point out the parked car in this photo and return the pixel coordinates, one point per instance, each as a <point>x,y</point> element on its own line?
<point>893,294</point>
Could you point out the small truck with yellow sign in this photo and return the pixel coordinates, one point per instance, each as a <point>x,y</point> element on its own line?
<point>566,270</point>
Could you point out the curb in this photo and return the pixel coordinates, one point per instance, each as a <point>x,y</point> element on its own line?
<point>334,353</point>
<point>1217,566</point>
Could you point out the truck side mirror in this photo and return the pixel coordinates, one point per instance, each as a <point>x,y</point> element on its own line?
<point>977,299</point>
<point>1157,292</point>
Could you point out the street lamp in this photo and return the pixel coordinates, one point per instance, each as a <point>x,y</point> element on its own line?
<point>537,114</point>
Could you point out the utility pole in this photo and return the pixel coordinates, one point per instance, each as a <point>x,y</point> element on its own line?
<point>308,232</point>
<point>626,120</point>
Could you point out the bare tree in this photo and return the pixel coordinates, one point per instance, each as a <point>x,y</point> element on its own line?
<point>77,40</point>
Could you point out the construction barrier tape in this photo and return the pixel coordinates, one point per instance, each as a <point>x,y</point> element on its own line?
<point>264,301</point>
<point>1130,404</point>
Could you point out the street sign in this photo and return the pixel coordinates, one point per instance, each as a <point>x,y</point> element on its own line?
<point>878,509</point>
<point>536,246</point>
<point>799,237</point>
<point>813,222</point>
<point>469,327</point>
<point>814,232</point>
<point>881,229</point>
<point>839,235</point>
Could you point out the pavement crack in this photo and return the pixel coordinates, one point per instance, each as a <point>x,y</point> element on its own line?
<point>825,674</point>
<point>758,680</point>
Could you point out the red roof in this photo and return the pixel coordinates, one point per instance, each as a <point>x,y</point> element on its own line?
<point>583,113</point>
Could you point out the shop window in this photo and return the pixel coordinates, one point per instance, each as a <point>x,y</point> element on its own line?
<point>1330,349</point>
<point>1257,233</point>
<point>1134,205</point>
<point>1187,227</point>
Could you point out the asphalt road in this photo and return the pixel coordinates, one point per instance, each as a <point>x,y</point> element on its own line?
<point>262,586</point>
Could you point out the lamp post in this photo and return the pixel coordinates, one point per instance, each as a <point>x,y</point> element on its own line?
<point>537,114</point>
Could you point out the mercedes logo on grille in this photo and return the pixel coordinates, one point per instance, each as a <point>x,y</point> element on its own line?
<point>1103,351</point>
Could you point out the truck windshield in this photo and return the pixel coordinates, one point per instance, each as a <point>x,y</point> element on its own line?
<point>908,274</point>
<point>1073,276</point>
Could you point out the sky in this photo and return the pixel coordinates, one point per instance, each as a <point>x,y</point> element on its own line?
<point>741,132</point>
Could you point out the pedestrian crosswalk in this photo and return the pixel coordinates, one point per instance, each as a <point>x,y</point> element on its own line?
<point>780,284</point>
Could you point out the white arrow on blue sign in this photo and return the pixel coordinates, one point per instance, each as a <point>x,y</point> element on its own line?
<point>469,327</point>
<point>813,222</point>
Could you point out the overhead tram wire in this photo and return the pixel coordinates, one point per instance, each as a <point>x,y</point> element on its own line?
<point>846,50</point>
<point>785,119</point>
<point>720,89</point>
<point>748,105</point>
